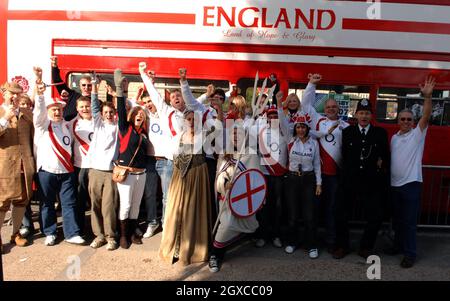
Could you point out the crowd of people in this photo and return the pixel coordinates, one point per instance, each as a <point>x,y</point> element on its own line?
<point>111,156</point>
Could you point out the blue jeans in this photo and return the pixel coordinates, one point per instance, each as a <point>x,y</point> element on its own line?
<point>27,221</point>
<point>406,204</point>
<point>49,186</point>
<point>330,190</point>
<point>164,168</point>
<point>150,191</point>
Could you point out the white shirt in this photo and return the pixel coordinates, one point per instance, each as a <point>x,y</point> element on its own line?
<point>159,137</point>
<point>406,157</point>
<point>273,147</point>
<point>104,148</point>
<point>331,144</point>
<point>82,132</point>
<point>53,141</point>
<point>307,155</point>
<point>366,129</point>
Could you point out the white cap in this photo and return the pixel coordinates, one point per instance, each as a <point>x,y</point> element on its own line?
<point>54,101</point>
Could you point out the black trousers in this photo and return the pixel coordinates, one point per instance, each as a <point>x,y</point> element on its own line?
<point>300,203</point>
<point>212,169</point>
<point>269,217</point>
<point>367,194</point>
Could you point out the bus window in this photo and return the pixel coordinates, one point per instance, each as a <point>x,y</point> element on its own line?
<point>162,85</point>
<point>391,101</point>
<point>347,96</point>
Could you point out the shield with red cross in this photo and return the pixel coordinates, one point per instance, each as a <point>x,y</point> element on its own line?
<point>248,193</point>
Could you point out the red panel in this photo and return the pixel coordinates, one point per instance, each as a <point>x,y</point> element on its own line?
<point>249,48</point>
<point>396,26</point>
<point>171,18</point>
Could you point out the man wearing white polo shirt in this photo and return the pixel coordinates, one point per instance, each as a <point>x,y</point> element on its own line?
<point>406,176</point>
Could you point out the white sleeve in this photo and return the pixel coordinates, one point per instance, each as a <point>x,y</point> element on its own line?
<point>308,99</point>
<point>202,98</point>
<point>161,106</point>
<point>40,118</point>
<point>189,99</point>
<point>223,178</point>
<point>316,163</point>
<point>284,122</point>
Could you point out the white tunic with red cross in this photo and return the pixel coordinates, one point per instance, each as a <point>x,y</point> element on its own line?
<point>82,132</point>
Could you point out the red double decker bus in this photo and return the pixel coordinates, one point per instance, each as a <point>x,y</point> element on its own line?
<point>379,50</point>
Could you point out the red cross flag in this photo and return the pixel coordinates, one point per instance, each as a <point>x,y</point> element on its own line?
<point>248,193</point>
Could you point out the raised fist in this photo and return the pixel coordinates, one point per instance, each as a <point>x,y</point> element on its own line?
<point>142,67</point>
<point>54,61</point>
<point>182,72</point>
<point>38,73</point>
<point>314,78</point>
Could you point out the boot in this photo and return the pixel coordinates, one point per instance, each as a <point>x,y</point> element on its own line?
<point>19,240</point>
<point>124,230</point>
<point>135,239</point>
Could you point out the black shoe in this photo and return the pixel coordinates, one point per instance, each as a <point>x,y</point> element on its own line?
<point>214,264</point>
<point>365,253</point>
<point>392,251</point>
<point>407,262</point>
<point>340,253</point>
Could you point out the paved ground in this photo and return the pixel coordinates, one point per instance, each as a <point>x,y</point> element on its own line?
<point>244,262</point>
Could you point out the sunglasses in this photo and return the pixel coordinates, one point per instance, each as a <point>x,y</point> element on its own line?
<point>406,119</point>
<point>84,85</point>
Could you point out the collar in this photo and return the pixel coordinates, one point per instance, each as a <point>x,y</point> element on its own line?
<point>367,128</point>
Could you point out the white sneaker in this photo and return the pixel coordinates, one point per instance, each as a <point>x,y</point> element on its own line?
<point>24,232</point>
<point>111,245</point>
<point>50,240</point>
<point>76,240</point>
<point>150,230</point>
<point>289,249</point>
<point>260,243</point>
<point>277,242</point>
<point>97,243</point>
<point>313,253</point>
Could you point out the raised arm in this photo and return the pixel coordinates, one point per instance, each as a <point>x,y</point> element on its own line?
<point>284,122</point>
<point>121,108</point>
<point>56,77</point>
<point>161,106</point>
<point>40,118</point>
<point>427,91</point>
<point>310,94</point>
<point>190,100</point>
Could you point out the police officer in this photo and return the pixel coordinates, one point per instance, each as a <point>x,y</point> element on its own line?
<point>365,152</point>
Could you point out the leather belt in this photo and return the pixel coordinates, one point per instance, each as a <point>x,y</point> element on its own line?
<point>134,169</point>
<point>300,174</point>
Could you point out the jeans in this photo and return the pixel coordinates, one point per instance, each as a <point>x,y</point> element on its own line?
<point>150,191</point>
<point>27,221</point>
<point>406,204</point>
<point>164,168</point>
<point>49,186</point>
<point>330,190</point>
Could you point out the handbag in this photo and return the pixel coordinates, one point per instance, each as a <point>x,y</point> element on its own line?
<point>120,173</point>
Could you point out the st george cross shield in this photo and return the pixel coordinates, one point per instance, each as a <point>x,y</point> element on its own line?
<point>248,193</point>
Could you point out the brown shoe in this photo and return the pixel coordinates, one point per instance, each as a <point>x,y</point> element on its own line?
<point>364,253</point>
<point>136,239</point>
<point>340,253</point>
<point>19,240</point>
